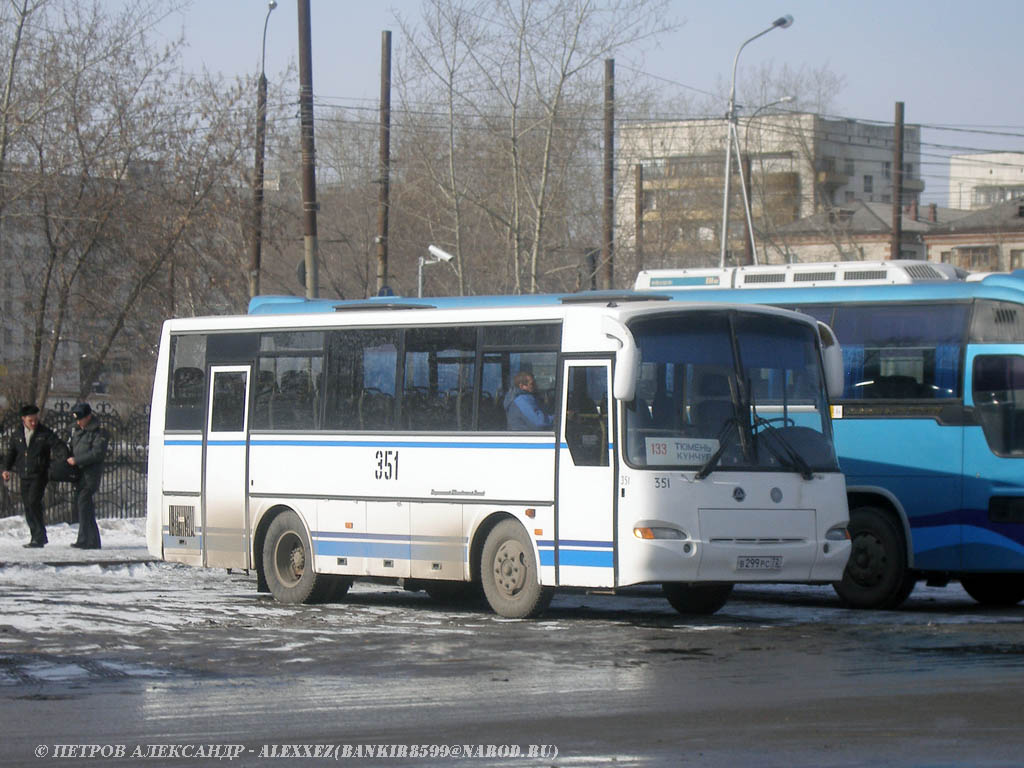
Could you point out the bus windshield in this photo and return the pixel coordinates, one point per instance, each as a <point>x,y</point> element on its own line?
<point>734,391</point>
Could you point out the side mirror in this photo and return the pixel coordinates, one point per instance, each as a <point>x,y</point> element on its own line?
<point>627,359</point>
<point>832,359</point>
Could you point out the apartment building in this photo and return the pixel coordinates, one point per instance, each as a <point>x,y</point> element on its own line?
<point>800,165</point>
<point>981,180</point>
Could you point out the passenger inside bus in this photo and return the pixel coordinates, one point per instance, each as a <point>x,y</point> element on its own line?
<point>522,409</point>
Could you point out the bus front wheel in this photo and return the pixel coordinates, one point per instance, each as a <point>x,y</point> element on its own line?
<point>509,573</point>
<point>876,575</point>
<point>998,589</point>
<point>695,598</point>
<point>288,562</point>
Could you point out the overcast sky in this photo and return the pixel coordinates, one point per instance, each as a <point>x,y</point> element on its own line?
<point>952,64</point>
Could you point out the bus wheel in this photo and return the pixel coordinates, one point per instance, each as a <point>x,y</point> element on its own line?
<point>509,574</point>
<point>876,575</point>
<point>691,598</point>
<point>1000,589</point>
<point>288,562</point>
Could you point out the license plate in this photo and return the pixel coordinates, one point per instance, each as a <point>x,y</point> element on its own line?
<point>759,563</point>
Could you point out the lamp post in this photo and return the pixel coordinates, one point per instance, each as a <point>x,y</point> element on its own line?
<point>257,183</point>
<point>732,135</point>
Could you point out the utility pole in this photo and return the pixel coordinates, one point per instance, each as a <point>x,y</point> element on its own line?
<point>309,204</point>
<point>897,183</point>
<point>256,250</point>
<point>608,217</point>
<point>638,215</point>
<point>383,200</point>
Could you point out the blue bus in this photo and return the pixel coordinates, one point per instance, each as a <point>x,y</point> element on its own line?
<point>930,425</point>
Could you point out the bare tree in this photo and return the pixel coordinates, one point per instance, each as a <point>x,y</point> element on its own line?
<point>109,180</point>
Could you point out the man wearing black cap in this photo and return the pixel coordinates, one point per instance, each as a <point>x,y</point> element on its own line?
<point>88,450</point>
<point>29,454</point>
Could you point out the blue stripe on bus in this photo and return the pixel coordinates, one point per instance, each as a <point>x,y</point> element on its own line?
<point>326,535</point>
<point>384,545</point>
<point>367,444</point>
<point>600,554</point>
<point>399,550</point>
<point>585,557</point>
<point>398,444</point>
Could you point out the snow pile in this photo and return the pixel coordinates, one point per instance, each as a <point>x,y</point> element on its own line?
<point>122,540</point>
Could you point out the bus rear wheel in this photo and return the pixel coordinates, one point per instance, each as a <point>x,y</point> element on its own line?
<point>509,573</point>
<point>876,575</point>
<point>288,562</point>
<point>694,598</point>
<point>998,589</point>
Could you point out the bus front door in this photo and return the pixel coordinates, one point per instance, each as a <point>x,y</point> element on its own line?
<point>585,500</point>
<point>226,448</point>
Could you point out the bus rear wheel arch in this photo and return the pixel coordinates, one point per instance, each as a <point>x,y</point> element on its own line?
<point>509,573</point>
<point>877,574</point>
<point>288,563</point>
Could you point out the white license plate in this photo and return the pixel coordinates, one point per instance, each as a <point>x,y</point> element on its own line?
<point>759,563</point>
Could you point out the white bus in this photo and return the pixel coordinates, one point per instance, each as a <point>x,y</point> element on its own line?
<point>321,442</point>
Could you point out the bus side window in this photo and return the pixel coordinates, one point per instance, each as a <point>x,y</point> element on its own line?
<point>586,426</point>
<point>998,390</point>
<point>361,379</point>
<point>186,400</point>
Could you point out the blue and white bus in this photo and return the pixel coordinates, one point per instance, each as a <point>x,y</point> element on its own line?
<point>320,442</point>
<point>930,425</point>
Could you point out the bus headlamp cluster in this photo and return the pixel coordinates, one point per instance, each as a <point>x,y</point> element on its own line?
<point>659,532</point>
<point>837,533</point>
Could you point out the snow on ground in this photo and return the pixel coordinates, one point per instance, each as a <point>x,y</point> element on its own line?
<point>123,540</point>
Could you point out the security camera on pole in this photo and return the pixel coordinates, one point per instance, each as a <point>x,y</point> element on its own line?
<point>437,255</point>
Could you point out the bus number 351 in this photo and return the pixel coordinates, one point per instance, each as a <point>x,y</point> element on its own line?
<point>387,465</point>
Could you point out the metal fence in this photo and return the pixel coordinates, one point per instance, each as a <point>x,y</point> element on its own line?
<point>123,488</point>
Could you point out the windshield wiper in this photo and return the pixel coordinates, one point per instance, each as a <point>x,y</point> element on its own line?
<point>792,457</point>
<point>730,426</point>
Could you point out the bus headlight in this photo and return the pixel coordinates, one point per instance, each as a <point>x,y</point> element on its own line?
<point>837,533</point>
<point>659,532</point>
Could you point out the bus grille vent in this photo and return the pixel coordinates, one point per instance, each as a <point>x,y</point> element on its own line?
<point>1006,316</point>
<point>181,520</point>
<point>923,272</point>
<point>765,277</point>
<point>865,274</point>
<point>726,540</point>
<point>813,277</point>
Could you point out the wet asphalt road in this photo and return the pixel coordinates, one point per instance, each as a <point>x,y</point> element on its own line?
<point>160,654</point>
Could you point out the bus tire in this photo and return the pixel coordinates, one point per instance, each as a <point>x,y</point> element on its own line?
<point>509,573</point>
<point>876,575</point>
<point>996,589</point>
<point>288,562</point>
<point>695,598</point>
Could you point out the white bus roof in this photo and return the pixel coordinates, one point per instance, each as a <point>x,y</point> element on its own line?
<point>805,275</point>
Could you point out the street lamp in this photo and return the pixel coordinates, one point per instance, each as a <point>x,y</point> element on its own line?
<point>436,256</point>
<point>257,184</point>
<point>732,136</point>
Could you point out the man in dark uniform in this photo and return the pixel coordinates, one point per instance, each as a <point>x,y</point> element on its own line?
<point>29,455</point>
<point>88,450</point>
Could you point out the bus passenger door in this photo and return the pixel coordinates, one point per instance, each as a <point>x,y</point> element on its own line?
<point>585,497</point>
<point>226,447</point>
